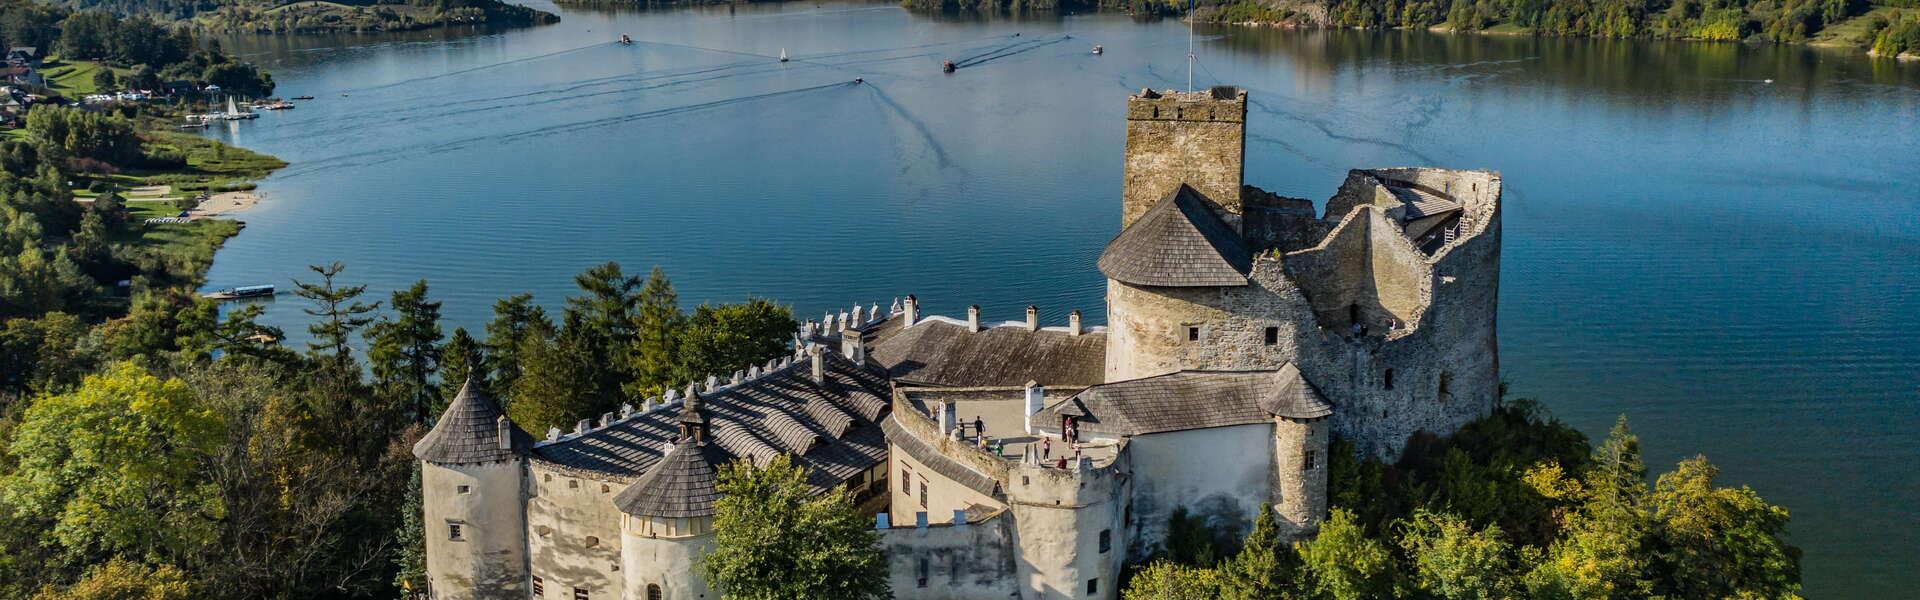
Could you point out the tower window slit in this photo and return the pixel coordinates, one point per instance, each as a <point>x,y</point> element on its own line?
<point>1193,334</point>
<point>1273,335</point>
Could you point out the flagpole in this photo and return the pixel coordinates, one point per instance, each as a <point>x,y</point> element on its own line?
<point>1191,4</point>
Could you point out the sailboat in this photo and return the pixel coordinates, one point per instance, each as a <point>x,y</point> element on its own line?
<point>783,55</point>
<point>233,112</point>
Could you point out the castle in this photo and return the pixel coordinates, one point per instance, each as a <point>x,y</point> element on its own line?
<point>1012,460</point>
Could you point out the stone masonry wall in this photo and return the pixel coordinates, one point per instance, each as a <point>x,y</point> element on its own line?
<point>970,561</point>
<point>1221,475</point>
<point>1191,138</point>
<point>489,561</point>
<point>1299,475</point>
<point>573,532</point>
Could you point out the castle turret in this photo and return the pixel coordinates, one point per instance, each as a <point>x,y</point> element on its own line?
<point>1168,275</point>
<point>1300,414</point>
<point>472,469</point>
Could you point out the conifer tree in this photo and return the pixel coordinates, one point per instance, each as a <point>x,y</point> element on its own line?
<point>515,319</point>
<point>405,353</point>
<point>339,313</point>
<point>460,359</point>
<point>657,326</point>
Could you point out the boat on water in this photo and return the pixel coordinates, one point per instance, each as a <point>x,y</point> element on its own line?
<point>625,41</point>
<point>235,114</point>
<point>1097,49</point>
<point>235,293</point>
<point>275,105</point>
<point>947,67</point>
<point>783,55</point>
<point>303,97</point>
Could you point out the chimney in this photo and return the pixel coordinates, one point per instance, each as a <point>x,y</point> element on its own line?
<point>819,365</point>
<point>1035,399</point>
<point>582,426</point>
<point>973,318</point>
<point>853,344</point>
<point>946,413</point>
<point>1073,322</point>
<point>503,430</point>
<point>1033,318</point>
<point>913,311</point>
<point>858,318</point>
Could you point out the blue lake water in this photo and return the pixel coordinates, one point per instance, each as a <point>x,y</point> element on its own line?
<point>1732,263</point>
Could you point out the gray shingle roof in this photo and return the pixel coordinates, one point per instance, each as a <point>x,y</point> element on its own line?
<point>684,484</point>
<point>940,463</point>
<point>935,352</point>
<point>759,418</point>
<point>1293,397</point>
<point>1178,243</point>
<point>1189,400</point>
<point>468,432</point>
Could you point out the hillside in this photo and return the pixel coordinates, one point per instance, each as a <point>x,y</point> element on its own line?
<point>271,16</point>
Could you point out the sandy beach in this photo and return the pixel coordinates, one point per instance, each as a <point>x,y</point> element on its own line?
<point>226,203</point>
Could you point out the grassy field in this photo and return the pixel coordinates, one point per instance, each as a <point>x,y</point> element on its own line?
<point>212,167</point>
<point>72,79</point>
<point>187,248</point>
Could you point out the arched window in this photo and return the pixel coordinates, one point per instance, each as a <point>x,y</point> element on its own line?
<point>653,591</point>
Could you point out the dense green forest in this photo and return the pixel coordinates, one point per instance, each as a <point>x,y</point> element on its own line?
<point>273,16</point>
<point>145,52</point>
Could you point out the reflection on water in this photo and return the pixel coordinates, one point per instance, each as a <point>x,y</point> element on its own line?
<point>1731,262</point>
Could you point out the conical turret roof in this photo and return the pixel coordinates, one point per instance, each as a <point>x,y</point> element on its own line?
<point>470,432</point>
<point>684,484</point>
<point>1293,397</point>
<point>1178,243</point>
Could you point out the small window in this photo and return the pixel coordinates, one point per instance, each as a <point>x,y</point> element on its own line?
<point>1309,460</point>
<point>1386,380</point>
<point>546,477</point>
<point>1129,514</point>
<point>455,532</point>
<point>539,587</point>
<point>465,489</point>
<point>906,481</point>
<point>921,571</point>
<point>1445,392</point>
<point>1193,334</point>
<point>1025,481</point>
<point>592,541</point>
<point>1093,586</point>
<point>543,530</point>
<point>953,569</point>
<point>604,488</point>
<point>1106,540</point>
<point>1273,335</point>
<point>580,593</point>
<point>923,494</point>
<point>573,484</point>
<point>653,591</point>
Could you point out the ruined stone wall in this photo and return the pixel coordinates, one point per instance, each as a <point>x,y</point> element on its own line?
<point>1272,221</point>
<point>1179,138</point>
<point>945,561</point>
<point>573,532</point>
<point>652,557</point>
<point>1299,471</point>
<point>1059,520</point>
<point>1221,474</point>
<point>489,560</point>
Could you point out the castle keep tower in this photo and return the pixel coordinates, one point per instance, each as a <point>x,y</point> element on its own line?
<point>471,475</point>
<point>1197,138</point>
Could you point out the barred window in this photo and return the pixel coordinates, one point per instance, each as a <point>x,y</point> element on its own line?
<point>539,587</point>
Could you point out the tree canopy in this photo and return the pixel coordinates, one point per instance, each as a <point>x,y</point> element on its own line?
<point>775,540</point>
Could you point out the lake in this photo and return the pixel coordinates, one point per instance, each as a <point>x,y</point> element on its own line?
<point>1732,262</point>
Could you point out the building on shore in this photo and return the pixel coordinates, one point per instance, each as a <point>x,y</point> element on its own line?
<point>1015,460</point>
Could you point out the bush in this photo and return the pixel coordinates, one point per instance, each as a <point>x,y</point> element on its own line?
<point>1900,36</point>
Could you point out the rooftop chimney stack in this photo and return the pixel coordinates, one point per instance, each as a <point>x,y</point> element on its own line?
<point>947,416</point>
<point>1033,318</point>
<point>913,311</point>
<point>854,344</point>
<point>1073,322</point>
<point>1036,397</point>
<point>819,365</point>
<point>973,318</point>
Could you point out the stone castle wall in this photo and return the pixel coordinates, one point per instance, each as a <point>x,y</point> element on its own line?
<point>573,532</point>
<point>965,561</point>
<point>1299,470</point>
<point>1221,475</point>
<point>1060,518</point>
<point>489,559</point>
<point>1175,138</point>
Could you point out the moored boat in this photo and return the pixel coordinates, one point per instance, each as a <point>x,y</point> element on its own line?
<point>245,291</point>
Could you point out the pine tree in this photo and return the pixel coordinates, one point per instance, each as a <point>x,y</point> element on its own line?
<point>405,353</point>
<point>515,319</point>
<point>556,384</point>
<point>658,323</point>
<point>410,560</point>
<point>340,314</point>
<point>460,359</point>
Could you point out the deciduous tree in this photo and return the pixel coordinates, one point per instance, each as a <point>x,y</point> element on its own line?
<point>775,540</point>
